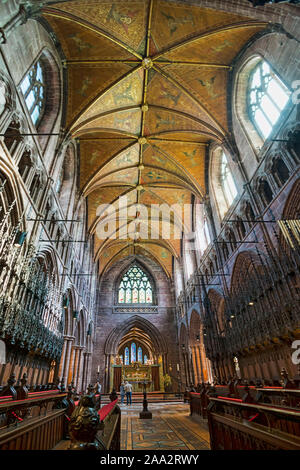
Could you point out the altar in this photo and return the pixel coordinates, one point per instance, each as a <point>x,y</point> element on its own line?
<point>136,374</point>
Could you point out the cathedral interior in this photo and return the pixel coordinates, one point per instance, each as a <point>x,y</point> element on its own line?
<point>150,220</point>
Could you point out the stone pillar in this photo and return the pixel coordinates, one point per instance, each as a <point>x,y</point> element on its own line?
<point>75,366</point>
<point>79,368</point>
<point>70,340</point>
<point>62,360</point>
<point>199,365</point>
<point>194,359</point>
<point>87,356</point>
<point>71,365</point>
<point>83,372</point>
<point>199,361</point>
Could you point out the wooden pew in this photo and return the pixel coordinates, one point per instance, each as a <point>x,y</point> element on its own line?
<point>236,425</point>
<point>35,423</point>
<point>95,429</point>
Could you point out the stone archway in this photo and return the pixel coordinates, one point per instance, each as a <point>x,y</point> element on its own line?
<point>141,331</point>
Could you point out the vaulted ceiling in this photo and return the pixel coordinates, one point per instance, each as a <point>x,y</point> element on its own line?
<point>147,92</point>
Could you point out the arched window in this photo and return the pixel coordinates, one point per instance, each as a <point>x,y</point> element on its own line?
<point>33,89</point>
<point>145,359</point>
<point>228,185</point>
<point>222,185</point>
<point>267,97</point>
<point>135,287</point>
<point>126,353</point>
<point>140,354</point>
<point>59,181</point>
<point>206,232</point>
<point>133,352</point>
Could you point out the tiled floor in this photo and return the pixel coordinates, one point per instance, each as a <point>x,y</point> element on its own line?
<point>170,428</point>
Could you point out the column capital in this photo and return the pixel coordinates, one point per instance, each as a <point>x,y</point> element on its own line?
<point>69,338</point>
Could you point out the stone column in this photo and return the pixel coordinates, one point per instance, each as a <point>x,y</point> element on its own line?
<point>70,340</point>
<point>71,364</point>
<point>79,368</point>
<point>200,363</point>
<point>194,359</point>
<point>62,360</point>
<point>85,371</point>
<point>75,366</point>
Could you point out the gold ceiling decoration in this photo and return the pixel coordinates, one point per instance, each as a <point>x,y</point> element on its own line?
<point>147,92</point>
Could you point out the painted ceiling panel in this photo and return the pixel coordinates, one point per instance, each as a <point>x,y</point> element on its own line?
<point>97,153</point>
<point>87,81</point>
<point>127,121</point>
<point>102,197</point>
<point>181,136</point>
<point>174,23</point>
<point>80,43</point>
<point>160,120</point>
<point>165,94</point>
<point>128,158</point>
<point>110,252</point>
<point>207,85</point>
<point>126,93</point>
<point>218,48</point>
<point>128,176</point>
<point>125,21</point>
<point>191,156</point>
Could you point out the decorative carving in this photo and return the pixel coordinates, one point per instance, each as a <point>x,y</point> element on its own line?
<point>22,390</point>
<point>84,425</point>
<point>9,389</point>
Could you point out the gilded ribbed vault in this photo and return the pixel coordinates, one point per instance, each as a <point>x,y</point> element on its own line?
<point>147,92</point>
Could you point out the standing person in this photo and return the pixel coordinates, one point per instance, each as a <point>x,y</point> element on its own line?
<point>98,388</point>
<point>128,390</point>
<point>122,392</point>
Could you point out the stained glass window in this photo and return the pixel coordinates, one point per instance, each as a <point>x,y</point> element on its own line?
<point>126,353</point>
<point>267,97</point>
<point>145,359</point>
<point>140,354</point>
<point>33,89</point>
<point>133,352</point>
<point>135,287</point>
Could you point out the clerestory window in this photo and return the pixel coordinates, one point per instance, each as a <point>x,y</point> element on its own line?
<point>135,287</point>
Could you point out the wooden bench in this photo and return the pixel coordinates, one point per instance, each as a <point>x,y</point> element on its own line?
<point>236,425</point>
<point>93,429</point>
<point>35,423</point>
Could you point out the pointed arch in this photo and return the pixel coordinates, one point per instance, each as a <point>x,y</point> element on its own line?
<point>150,281</point>
<point>114,338</point>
